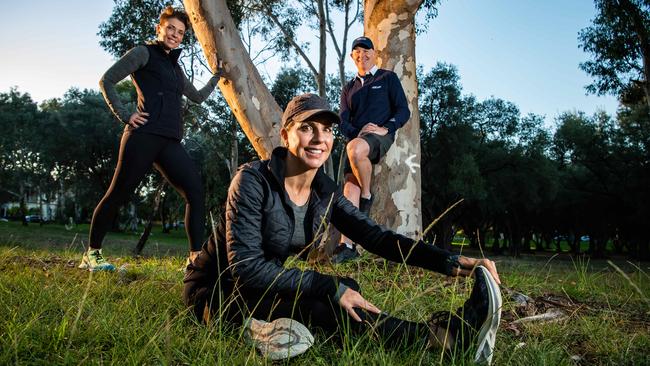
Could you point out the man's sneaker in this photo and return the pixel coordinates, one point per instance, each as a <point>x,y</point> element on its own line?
<point>93,260</point>
<point>280,339</point>
<point>475,323</point>
<point>343,254</point>
<point>365,204</point>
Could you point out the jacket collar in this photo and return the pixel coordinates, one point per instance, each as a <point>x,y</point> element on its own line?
<point>370,72</point>
<point>322,184</point>
<point>174,54</point>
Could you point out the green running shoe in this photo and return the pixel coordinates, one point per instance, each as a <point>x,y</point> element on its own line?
<point>93,260</point>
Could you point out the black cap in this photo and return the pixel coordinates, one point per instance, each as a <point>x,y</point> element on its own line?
<point>363,42</point>
<point>306,106</point>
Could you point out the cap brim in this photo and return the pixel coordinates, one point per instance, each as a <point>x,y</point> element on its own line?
<point>362,45</point>
<point>325,114</point>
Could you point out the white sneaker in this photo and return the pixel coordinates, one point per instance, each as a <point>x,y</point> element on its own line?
<point>488,332</point>
<point>280,339</point>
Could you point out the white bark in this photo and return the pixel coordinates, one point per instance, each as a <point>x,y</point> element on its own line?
<point>396,180</point>
<point>242,87</point>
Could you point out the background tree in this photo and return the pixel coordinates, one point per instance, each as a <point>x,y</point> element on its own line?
<point>619,41</point>
<point>84,152</point>
<point>22,170</point>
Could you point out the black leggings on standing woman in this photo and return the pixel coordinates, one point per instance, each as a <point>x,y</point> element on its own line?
<point>138,152</point>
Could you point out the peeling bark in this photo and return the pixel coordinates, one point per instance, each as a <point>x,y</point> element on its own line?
<point>396,180</point>
<point>242,86</point>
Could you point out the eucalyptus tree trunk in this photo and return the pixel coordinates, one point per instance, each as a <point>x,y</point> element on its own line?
<point>322,48</point>
<point>249,98</point>
<point>396,180</point>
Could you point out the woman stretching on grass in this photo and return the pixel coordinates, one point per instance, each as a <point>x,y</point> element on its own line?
<point>277,207</point>
<point>152,135</point>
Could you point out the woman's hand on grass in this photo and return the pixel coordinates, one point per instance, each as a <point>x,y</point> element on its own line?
<point>468,264</point>
<point>352,299</point>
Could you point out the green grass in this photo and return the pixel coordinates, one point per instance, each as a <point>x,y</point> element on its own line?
<point>54,236</point>
<point>53,313</point>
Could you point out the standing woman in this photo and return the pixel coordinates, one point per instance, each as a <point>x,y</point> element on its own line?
<point>152,134</point>
<point>280,207</point>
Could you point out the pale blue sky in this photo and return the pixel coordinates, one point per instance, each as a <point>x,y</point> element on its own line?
<point>524,51</point>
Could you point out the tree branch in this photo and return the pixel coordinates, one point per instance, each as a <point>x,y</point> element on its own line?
<point>290,39</point>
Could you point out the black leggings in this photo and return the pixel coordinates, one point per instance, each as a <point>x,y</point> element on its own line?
<point>138,152</point>
<point>318,313</point>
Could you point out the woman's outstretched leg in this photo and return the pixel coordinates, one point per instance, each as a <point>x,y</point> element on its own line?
<point>332,318</point>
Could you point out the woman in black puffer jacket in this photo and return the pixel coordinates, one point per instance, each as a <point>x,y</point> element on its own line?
<point>280,207</point>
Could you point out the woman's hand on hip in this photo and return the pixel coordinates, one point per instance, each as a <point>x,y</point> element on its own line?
<point>138,119</point>
<point>193,255</point>
<point>352,299</point>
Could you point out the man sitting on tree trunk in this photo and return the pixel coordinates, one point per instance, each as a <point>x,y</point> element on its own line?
<point>373,107</point>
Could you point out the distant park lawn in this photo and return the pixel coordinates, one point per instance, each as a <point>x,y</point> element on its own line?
<point>56,236</point>
<point>53,313</point>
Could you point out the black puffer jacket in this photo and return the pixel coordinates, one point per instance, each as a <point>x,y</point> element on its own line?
<point>259,224</point>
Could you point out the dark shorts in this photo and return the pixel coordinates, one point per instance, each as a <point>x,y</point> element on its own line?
<point>379,146</point>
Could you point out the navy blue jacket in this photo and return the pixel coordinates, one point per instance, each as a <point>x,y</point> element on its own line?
<point>380,100</point>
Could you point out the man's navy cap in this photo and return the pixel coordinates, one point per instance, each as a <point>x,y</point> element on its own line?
<point>363,42</point>
<point>307,106</point>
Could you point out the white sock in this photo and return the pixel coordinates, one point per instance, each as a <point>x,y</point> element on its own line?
<point>351,246</point>
<point>367,198</point>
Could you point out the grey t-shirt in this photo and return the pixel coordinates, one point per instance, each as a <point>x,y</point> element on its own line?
<point>297,242</point>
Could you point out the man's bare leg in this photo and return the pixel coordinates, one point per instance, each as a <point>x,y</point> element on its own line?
<point>352,192</point>
<point>351,189</point>
<point>354,187</point>
<point>358,150</point>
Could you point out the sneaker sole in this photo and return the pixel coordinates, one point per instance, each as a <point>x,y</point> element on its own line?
<point>86,266</point>
<point>99,269</point>
<point>280,339</point>
<point>488,331</point>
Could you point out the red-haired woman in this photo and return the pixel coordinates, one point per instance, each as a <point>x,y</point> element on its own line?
<point>152,134</point>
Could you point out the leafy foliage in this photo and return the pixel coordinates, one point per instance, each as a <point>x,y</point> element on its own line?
<point>518,182</point>
<point>619,41</point>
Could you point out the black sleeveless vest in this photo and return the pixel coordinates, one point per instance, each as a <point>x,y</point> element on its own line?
<point>159,85</point>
